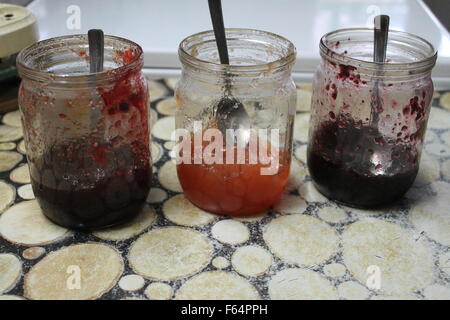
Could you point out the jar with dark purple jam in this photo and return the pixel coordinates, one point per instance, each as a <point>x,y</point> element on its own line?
<point>87,134</point>
<point>368,120</point>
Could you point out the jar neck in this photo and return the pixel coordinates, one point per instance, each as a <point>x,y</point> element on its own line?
<point>64,62</point>
<point>254,56</point>
<point>408,56</point>
<point>241,78</point>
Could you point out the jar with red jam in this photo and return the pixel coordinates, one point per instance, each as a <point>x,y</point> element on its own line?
<point>250,168</point>
<point>369,119</point>
<point>87,134</point>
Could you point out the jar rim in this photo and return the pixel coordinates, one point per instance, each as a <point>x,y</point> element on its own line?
<point>206,65</point>
<point>67,78</point>
<point>426,63</point>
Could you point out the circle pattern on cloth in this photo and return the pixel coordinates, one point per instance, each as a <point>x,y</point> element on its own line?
<point>131,282</point>
<point>303,100</point>
<point>230,232</point>
<point>371,242</point>
<point>10,271</point>
<point>156,151</point>
<point>21,175</point>
<point>301,127</point>
<point>13,119</point>
<point>437,292</point>
<point>297,175</point>
<point>395,297</point>
<point>156,90</point>
<point>430,137</point>
<point>300,153</point>
<point>141,222</point>
<point>309,192</point>
<point>301,240</point>
<point>159,291</point>
<point>446,138</point>
<point>79,272</point>
<point>33,253</point>
<point>168,177</point>
<point>7,195</point>
<point>439,118</point>
<point>332,214</point>
<point>167,107</point>
<point>172,82</point>
<point>8,297</point>
<point>438,149</point>
<point>181,211</point>
<point>156,195</point>
<point>334,270</point>
<point>432,216</point>
<point>221,263</point>
<point>217,285</point>
<point>251,261</point>
<point>290,204</point>
<point>170,253</point>
<point>445,100</point>
<point>10,133</point>
<point>352,290</point>
<point>446,169</point>
<point>21,147</point>
<point>25,224</point>
<point>164,128</point>
<point>9,159</point>
<point>429,170</point>
<point>7,146</point>
<point>444,263</point>
<point>26,192</point>
<point>300,284</point>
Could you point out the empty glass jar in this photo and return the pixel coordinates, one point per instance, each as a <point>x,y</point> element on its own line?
<point>369,119</point>
<point>253,138</point>
<point>87,135</point>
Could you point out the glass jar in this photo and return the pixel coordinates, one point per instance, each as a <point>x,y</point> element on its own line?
<point>241,181</point>
<point>368,119</point>
<point>87,134</point>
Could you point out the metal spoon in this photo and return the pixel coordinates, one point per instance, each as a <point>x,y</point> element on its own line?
<point>230,113</point>
<point>381,34</point>
<point>96,41</point>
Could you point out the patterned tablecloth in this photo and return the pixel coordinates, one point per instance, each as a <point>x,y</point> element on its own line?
<point>306,247</point>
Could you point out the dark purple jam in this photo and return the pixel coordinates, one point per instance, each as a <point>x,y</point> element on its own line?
<point>91,189</point>
<point>355,165</point>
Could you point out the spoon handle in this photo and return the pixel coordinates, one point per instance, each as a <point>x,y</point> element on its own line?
<point>381,34</point>
<point>96,50</point>
<point>215,9</point>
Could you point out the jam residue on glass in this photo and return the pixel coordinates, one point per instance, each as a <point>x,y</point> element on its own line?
<point>102,179</point>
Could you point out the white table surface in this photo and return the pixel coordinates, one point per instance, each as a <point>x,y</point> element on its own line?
<point>158,26</point>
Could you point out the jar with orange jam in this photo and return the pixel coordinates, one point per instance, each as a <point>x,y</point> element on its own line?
<point>223,168</point>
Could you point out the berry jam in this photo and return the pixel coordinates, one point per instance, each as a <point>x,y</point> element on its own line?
<point>88,188</point>
<point>102,179</point>
<point>358,167</point>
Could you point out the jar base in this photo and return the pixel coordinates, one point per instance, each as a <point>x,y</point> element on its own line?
<point>69,221</point>
<point>219,212</point>
<point>355,196</point>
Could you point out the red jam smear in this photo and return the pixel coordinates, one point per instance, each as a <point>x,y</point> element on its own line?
<point>93,183</point>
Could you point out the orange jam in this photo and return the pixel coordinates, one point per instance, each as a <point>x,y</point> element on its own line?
<point>234,189</point>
